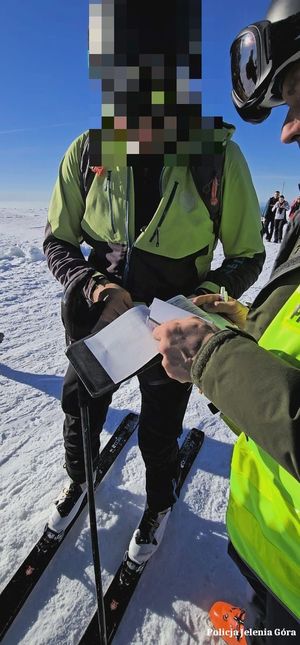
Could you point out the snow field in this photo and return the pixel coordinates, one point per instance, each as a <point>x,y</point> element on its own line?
<point>191,569</point>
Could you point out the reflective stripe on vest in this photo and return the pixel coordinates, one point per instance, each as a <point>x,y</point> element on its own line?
<point>263,515</point>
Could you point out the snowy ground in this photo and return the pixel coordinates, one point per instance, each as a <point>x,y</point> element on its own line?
<point>192,568</point>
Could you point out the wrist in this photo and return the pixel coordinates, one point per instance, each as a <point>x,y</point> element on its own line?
<point>93,287</point>
<point>96,292</point>
<point>100,288</point>
<point>207,337</point>
<point>103,287</point>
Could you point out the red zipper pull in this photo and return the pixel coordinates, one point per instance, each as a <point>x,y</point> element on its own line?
<point>98,170</point>
<point>214,192</point>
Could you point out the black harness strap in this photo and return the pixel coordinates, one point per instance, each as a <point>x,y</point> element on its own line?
<point>211,168</point>
<point>86,174</point>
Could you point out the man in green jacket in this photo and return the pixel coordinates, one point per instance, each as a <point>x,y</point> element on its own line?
<point>252,374</point>
<point>151,234</point>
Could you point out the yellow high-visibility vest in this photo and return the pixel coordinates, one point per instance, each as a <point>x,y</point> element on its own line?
<point>263,515</point>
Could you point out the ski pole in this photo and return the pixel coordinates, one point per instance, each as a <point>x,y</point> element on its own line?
<point>88,464</point>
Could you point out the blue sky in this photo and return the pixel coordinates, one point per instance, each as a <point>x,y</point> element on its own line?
<point>48,99</point>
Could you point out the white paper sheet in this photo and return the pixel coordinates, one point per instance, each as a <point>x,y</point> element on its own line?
<point>181,307</point>
<point>124,346</point>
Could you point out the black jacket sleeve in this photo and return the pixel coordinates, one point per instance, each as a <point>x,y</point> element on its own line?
<point>63,233</point>
<point>65,261</point>
<point>237,274</point>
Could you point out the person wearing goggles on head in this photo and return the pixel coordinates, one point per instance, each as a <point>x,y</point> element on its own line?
<point>265,63</point>
<point>252,372</point>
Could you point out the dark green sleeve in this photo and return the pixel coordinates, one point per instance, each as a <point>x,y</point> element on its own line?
<point>257,390</point>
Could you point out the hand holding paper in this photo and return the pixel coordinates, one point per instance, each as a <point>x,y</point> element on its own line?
<point>179,342</point>
<point>127,344</point>
<point>235,312</point>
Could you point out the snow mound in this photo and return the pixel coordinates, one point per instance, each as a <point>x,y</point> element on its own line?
<point>14,251</point>
<point>34,254</point>
<point>23,252</point>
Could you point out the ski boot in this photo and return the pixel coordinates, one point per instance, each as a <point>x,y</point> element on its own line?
<point>130,571</point>
<point>148,535</point>
<point>144,542</point>
<point>65,508</point>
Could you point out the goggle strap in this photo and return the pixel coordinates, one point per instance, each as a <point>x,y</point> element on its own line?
<point>287,28</point>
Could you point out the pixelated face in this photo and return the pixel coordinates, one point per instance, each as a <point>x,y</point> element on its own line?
<point>148,58</point>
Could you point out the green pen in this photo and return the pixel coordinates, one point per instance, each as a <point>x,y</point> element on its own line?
<point>224,294</point>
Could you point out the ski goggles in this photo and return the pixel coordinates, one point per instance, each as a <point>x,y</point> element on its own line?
<point>259,56</point>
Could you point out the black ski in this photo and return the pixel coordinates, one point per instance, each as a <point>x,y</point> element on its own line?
<point>119,594</point>
<point>30,571</point>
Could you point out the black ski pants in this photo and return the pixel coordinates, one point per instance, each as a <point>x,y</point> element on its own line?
<point>269,225</point>
<point>279,224</point>
<point>163,405</point>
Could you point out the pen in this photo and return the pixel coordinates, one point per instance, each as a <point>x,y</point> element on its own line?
<point>223,294</point>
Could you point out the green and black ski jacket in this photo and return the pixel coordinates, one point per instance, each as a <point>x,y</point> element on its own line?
<point>173,254</point>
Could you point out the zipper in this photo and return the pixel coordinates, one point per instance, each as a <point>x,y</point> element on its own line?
<point>108,187</point>
<point>160,183</point>
<point>164,214</point>
<point>129,247</point>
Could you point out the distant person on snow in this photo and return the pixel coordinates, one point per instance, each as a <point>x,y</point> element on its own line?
<point>295,208</point>
<point>151,235</point>
<point>280,209</point>
<point>252,374</point>
<point>269,216</point>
